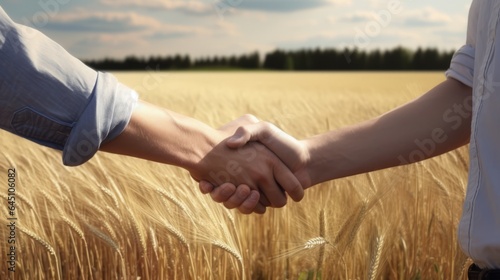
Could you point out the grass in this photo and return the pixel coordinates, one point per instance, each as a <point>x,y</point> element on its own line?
<point>125,218</point>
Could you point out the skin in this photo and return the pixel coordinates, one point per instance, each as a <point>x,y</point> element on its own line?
<point>441,119</point>
<point>160,135</point>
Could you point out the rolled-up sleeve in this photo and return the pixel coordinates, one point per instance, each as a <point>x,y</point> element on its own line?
<point>106,115</point>
<point>50,97</point>
<point>462,65</point>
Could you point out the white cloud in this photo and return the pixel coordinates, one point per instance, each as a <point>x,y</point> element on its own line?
<point>84,20</point>
<point>285,5</point>
<point>116,22</point>
<point>189,6</point>
<point>359,16</point>
<point>427,16</point>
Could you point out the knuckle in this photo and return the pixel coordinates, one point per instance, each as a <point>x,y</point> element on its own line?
<point>243,130</point>
<point>260,179</point>
<point>268,128</point>
<point>250,118</point>
<point>242,193</point>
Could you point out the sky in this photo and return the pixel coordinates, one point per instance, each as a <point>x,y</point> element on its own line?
<point>94,29</point>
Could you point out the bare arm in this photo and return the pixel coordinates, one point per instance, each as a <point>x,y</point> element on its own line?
<point>435,123</point>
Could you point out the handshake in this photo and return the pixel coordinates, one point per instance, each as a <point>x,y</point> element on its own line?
<point>246,164</point>
<point>262,165</point>
<point>251,165</point>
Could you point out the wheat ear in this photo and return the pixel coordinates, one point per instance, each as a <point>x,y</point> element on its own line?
<point>375,261</point>
<point>44,243</point>
<point>65,219</point>
<point>108,240</point>
<point>227,248</point>
<point>177,234</point>
<point>110,194</point>
<point>38,239</point>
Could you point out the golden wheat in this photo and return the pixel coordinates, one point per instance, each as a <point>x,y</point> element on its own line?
<point>376,258</point>
<point>123,218</point>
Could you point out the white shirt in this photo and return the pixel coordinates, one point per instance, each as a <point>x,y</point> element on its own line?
<point>477,64</point>
<point>52,98</point>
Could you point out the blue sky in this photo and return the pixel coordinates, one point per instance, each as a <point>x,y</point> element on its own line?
<point>117,28</point>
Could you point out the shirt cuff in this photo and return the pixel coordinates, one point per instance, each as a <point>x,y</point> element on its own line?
<point>462,65</point>
<point>105,117</point>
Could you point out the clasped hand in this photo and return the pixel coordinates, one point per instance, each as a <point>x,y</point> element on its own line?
<point>254,140</point>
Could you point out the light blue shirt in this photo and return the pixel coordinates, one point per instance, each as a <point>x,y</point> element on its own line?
<point>50,97</point>
<point>477,64</point>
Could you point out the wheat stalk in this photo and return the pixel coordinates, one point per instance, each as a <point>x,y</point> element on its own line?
<point>45,244</point>
<point>38,239</point>
<point>310,244</point>
<point>97,208</point>
<point>74,226</point>
<point>108,227</point>
<point>227,248</point>
<point>177,202</point>
<point>26,200</point>
<point>315,242</point>
<point>154,241</point>
<point>114,213</point>
<point>52,201</point>
<point>65,219</point>
<point>322,234</point>
<point>439,183</point>
<point>135,224</point>
<point>351,224</point>
<point>375,260</point>
<point>108,240</point>
<point>177,234</point>
<point>110,194</point>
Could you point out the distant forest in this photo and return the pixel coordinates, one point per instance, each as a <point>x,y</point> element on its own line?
<point>398,58</point>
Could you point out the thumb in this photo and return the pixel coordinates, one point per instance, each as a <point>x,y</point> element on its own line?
<point>239,139</point>
<point>247,133</point>
<point>243,120</point>
<point>287,148</point>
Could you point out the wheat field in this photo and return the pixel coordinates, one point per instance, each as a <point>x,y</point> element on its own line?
<point>124,218</point>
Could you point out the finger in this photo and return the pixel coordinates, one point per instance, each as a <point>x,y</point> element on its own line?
<point>251,204</point>
<point>242,193</point>
<point>223,192</point>
<point>260,209</point>
<point>287,148</point>
<point>263,200</point>
<point>243,120</point>
<point>206,187</point>
<point>288,181</point>
<point>273,192</point>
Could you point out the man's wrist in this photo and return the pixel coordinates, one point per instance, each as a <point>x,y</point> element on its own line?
<point>204,140</point>
<point>324,163</point>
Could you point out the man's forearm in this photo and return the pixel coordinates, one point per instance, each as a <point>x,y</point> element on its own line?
<point>163,136</point>
<point>433,124</point>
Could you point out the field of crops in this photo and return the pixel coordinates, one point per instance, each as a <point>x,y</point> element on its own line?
<point>125,218</point>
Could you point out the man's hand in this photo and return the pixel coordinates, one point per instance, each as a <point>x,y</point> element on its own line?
<point>250,165</point>
<point>291,151</point>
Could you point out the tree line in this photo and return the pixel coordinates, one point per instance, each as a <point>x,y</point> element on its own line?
<point>398,58</point>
